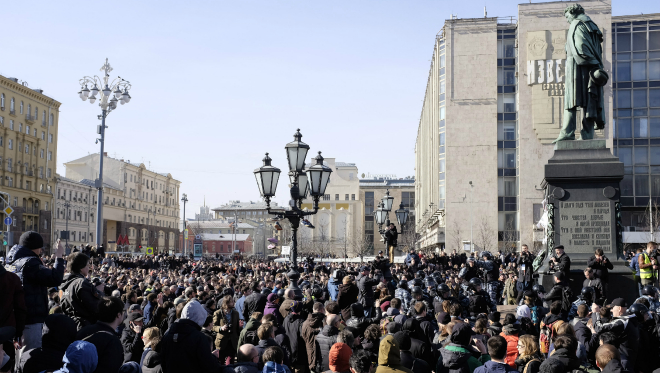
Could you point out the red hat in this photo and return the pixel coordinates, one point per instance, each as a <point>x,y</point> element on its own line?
<point>340,353</point>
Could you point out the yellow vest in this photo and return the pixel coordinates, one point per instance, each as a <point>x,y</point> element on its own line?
<point>648,271</point>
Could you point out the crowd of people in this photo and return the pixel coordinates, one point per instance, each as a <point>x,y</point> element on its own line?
<point>437,313</point>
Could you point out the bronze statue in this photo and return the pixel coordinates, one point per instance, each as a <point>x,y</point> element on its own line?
<point>584,75</point>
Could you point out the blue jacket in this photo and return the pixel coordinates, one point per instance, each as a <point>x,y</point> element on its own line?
<point>410,257</point>
<point>494,367</point>
<point>333,287</point>
<point>273,367</point>
<point>36,279</point>
<point>240,306</point>
<point>634,263</point>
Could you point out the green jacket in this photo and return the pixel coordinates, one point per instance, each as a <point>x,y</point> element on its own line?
<point>473,362</point>
<point>252,325</point>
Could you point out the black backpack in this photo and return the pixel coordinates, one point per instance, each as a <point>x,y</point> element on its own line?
<point>251,337</point>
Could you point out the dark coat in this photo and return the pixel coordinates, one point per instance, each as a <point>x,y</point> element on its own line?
<point>36,279</point>
<point>366,287</point>
<point>132,344</point>
<point>419,347</point>
<point>348,294</point>
<point>255,302</point>
<point>601,269</point>
<point>325,339</point>
<point>59,332</point>
<point>614,366</point>
<point>108,346</point>
<point>12,303</point>
<point>357,324</point>
<point>226,338</point>
<point>533,363</point>
<point>411,362</point>
<point>560,362</point>
<point>185,349</point>
<point>556,293</point>
<point>528,261</point>
<point>627,330</point>
<point>293,328</point>
<point>151,362</point>
<point>242,367</point>
<point>309,332</point>
<point>80,300</point>
<point>563,264</point>
<point>265,343</point>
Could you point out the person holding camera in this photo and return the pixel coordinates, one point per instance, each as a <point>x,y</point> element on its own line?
<point>525,269</point>
<point>601,265</point>
<point>648,265</point>
<point>560,261</point>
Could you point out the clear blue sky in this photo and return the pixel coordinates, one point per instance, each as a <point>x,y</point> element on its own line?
<point>218,83</point>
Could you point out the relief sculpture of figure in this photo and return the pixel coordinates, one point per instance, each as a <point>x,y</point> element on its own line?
<point>584,76</point>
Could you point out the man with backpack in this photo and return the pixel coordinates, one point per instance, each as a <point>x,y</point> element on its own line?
<point>561,292</point>
<point>549,327</point>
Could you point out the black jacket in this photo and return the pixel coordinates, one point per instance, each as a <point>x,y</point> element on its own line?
<point>601,269</point>
<point>265,343</point>
<point>556,293</point>
<point>528,261</point>
<point>348,294</point>
<point>151,362</point>
<point>366,288</point>
<point>626,329</point>
<point>80,300</point>
<point>185,349</point>
<point>255,302</point>
<point>324,341</point>
<point>614,366</point>
<point>411,362</point>
<point>357,324</point>
<point>59,332</point>
<point>560,362</point>
<point>36,279</point>
<point>563,264</point>
<point>293,329</point>
<point>132,344</point>
<point>108,346</point>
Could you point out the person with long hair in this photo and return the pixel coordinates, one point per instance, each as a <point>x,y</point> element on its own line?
<point>225,323</point>
<point>150,361</point>
<point>529,356</point>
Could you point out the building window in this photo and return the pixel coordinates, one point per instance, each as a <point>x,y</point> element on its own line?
<point>48,173</point>
<point>408,200</point>
<point>27,129</point>
<point>50,155</point>
<point>21,107</point>
<point>20,127</point>
<point>346,197</point>
<point>368,203</point>
<point>50,138</point>
<point>10,144</point>
<point>326,197</point>
<point>43,135</point>
<point>2,101</point>
<point>336,197</point>
<point>11,124</point>
<point>353,197</point>
<point>12,105</point>
<point>41,153</point>
<point>52,119</point>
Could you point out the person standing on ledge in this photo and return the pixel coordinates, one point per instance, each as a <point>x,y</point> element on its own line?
<point>584,76</point>
<point>561,261</point>
<point>647,265</point>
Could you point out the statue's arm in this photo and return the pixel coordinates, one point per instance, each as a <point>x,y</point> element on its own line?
<point>584,45</point>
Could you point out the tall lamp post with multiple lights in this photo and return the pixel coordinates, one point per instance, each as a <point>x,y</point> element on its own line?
<point>312,181</point>
<point>184,199</point>
<point>382,217</point>
<point>110,94</point>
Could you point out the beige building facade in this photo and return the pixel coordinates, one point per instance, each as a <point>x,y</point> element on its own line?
<point>29,122</point>
<point>493,105</point>
<point>73,210</point>
<point>138,203</point>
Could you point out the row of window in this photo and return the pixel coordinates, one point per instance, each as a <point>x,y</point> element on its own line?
<point>345,197</point>
<point>12,109</point>
<point>25,168</point>
<point>27,129</point>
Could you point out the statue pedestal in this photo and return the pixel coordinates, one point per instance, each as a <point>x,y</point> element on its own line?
<point>582,187</point>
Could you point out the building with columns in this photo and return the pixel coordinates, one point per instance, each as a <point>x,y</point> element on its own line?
<point>137,202</point>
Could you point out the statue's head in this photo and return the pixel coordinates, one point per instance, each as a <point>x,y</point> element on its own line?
<point>572,11</point>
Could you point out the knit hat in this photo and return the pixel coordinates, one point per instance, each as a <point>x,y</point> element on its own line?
<point>32,240</point>
<point>178,301</point>
<point>195,312</point>
<point>443,318</point>
<point>523,311</point>
<point>494,316</point>
<point>338,358</point>
<point>384,306</point>
<point>296,307</point>
<point>271,297</point>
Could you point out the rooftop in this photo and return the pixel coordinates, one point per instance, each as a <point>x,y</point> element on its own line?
<point>93,185</point>
<point>224,237</point>
<point>247,205</point>
<point>219,224</point>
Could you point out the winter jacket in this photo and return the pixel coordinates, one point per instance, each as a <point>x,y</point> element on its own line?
<point>389,357</point>
<point>366,286</point>
<point>420,347</point>
<point>560,362</point>
<point>510,333</point>
<point>309,331</point>
<point>405,297</point>
<point>132,344</point>
<point>324,340</point>
<point>494,367</point>
<point>399,318</point>
<point>456,358</point>
<point>185,349</point>
<point>80,300</point>
<point>526,274</point>
<point>265,343</point>
<point>36,279</point>
<point>242,367</point>
<point>255,302</point>
<point>12,303</point>
<point>80,357</point>
<point>226,338</point>
<point>108,346</point>
<point>274,309</point>
<point>556,294</point>
<point>59,331</point>
<point>601,269</point>
<point>627,331</point>
<point>251,326</point>
<point>151,362</point>
<point>273,367</point>
<point>532,363</point>
<point>293,329</point>
<point>410,257</point>
<point>614,366</point>
<point>333,288</point>
<point>563,263</point>
<point>357,324</point>
<point>597,284</point>
<point>348,294</point>
<point>411,362</point>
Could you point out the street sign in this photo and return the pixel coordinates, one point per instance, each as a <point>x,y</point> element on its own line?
<point>8,220</point>
<point>150,251</point>
<point>8,210</point>
<point>286,250</point>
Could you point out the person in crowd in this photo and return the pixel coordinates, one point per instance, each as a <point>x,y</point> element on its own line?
<point>80,357</point>
<point>561,292</point>
<point>185,348</point>
<point>591,281</point>
<point>561,261</point>
<point>389,356</point>
<point>348,295</point>
<point>24,260</point>
<point>339,357</point>
<point>408,360</point>
<point>81,298</point>
<point>131,338</point>
<point>625,328</point>
<point>103,336</point>
<point>529,357</point>
<point>564,358</point>
<point>498,351</point>
<point>249,331</point>
<point>273,306</point>
<point>458,354</point>
<point>647,265</point>
<point>59,331</point>
<point>255,302</point>
<point>525,268</point>
<point>247,360</point>
<point>225,323</point>
<point>310,329</point>
<point>608,359</point>
<point>12,303</point>
<point>366,285</point>
<point>360,362</point>
<point>601,266</point>
<point>273,358</point>
<point>326,338</point>
<point>150,359</point>
<point>510,333</point>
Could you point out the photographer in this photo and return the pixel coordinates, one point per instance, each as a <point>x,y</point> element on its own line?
<point>525,269</point>
<point>560,261</point>
<point>601,265</point>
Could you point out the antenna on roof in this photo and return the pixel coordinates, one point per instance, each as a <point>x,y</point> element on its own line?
<point>486,13</point>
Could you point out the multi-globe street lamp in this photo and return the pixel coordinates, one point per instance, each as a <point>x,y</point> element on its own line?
<point>184,199</point>
<point>110,93</point>
<point>382,217</point>
<point>312,181</point>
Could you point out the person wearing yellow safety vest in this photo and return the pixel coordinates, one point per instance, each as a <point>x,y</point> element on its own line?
<point>647,264</point>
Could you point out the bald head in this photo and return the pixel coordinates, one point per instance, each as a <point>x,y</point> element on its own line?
<point>247,353</point>
<point>174,288</point>
<point>332,319</point>
<point>289,294</point>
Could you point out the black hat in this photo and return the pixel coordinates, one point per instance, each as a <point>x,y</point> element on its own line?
<point>135,317</point>
<point>619,302</point>
<point>32,240</point>
<point>404,340</point>
<point>443,318</point>
<point>365,268</point>
<point>380,252</point>
<point>494,316</point>
<point>96,281</point>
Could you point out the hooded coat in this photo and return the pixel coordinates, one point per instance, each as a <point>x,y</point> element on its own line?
<point>293,328</point>
<point>494,367</point>
<point>389,357</point>
<point>59,332</point>
<point>559,362</point>
<point>251,326</point>
<point>419,346</point>
<point>255,302</point>
<point>108,346</point>
<point>366,289</point>
<point>12,305</point>
<point>226,338</point>
<point>309,332</point>
<point>333,288</point>
<point>272,307</point>
<point>511,333</point>
<point>532,363</point>
<point>36,279</point>
<point>80,357</point>
<point>457,356</point>
<point>151,362</point>
<point>348,294</point>
<point>80,300</point>
<point>186,349</point>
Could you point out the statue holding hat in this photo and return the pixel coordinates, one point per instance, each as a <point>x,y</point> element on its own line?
<point>584,76</point>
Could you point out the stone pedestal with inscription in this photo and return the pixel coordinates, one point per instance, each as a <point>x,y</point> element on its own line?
<point>582,190</point>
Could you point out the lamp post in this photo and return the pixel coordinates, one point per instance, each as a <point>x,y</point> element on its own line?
<point>471,196</point>
<point>382,217</point>
<point>303,182</point>
<point>67,205</point>
<point>110,93</point>
<point>184,199</point>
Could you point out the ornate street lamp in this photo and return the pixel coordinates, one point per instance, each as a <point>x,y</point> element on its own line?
<point>303,182</point>
<point>108,102</point>
<point>387,201</point>
<point>402,215</point>
<point>381,215</point>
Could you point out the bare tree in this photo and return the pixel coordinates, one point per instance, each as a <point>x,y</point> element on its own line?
<point>651,221</point>
<point>409,238</point>
<point>456,240</point>
<point>509,239</point>
<point>322,242</point>
<point>361,244</point>
<point>486,236</point>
